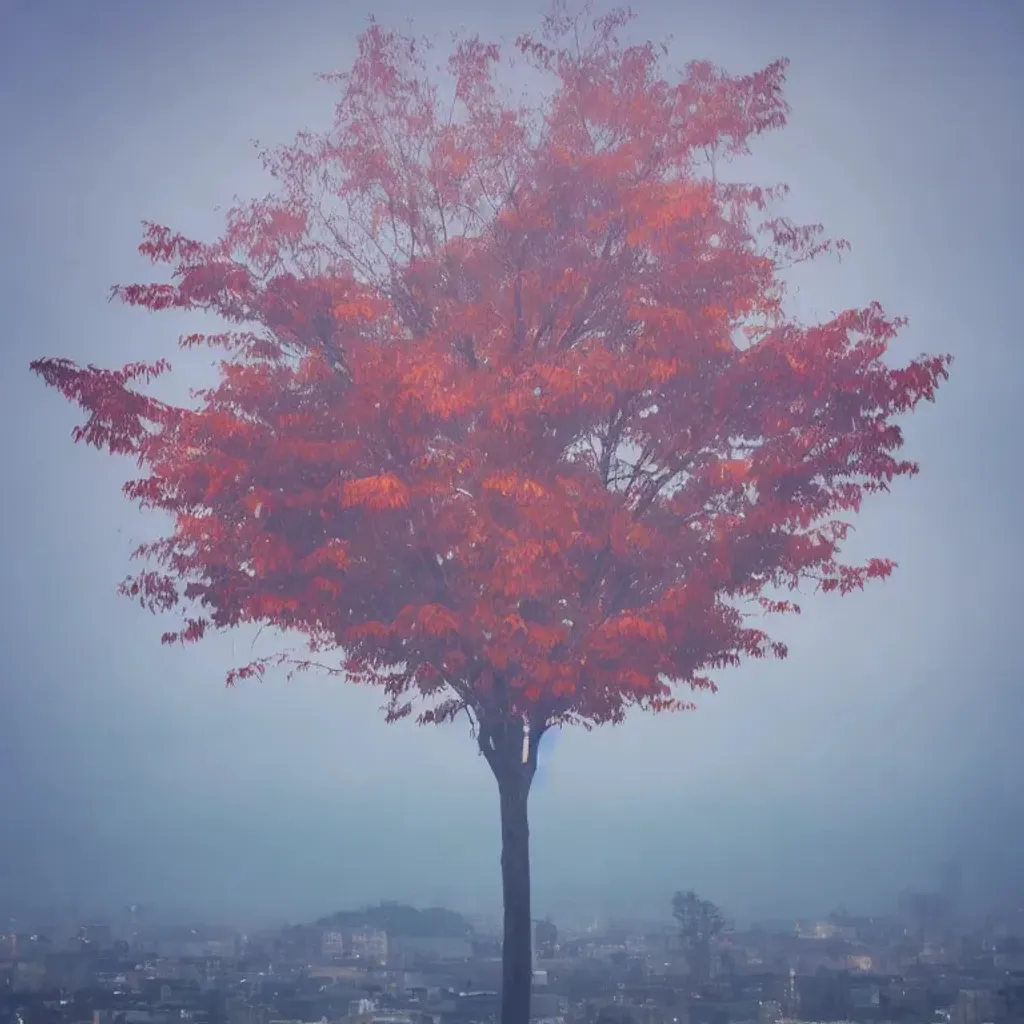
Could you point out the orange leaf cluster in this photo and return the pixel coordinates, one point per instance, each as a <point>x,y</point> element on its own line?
<point>514,423</point>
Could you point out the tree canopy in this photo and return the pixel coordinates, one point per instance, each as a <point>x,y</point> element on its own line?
<point>700,923</point>
<point>511,417</point>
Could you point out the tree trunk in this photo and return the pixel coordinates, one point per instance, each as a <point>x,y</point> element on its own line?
<point>517,951</point>
<point>510,748</point>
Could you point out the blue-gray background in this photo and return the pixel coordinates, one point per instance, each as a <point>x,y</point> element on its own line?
<point>888,742</point>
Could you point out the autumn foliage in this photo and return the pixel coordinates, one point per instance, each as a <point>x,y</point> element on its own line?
<point>511,418</point>
<point>510,413</point>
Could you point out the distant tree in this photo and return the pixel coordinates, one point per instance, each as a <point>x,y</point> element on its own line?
<point>700,923</point>
<point>512,422</point>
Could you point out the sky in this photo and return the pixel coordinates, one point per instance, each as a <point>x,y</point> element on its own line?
<point>887,743</point>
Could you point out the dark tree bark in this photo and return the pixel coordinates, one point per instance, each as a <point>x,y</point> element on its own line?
<point>517,951</point>
<point>511,750</point>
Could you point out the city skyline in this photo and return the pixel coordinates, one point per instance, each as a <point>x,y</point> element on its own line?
<point>149,914</point>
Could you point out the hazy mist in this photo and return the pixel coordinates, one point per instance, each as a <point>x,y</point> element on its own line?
<point>888,742</point>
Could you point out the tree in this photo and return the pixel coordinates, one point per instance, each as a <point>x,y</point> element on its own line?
<point>700,923</point>
<point>511,420</point>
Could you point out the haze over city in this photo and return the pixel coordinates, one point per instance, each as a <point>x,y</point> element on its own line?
<point>886,744</point>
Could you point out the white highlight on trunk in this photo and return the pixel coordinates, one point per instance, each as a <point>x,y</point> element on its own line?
<point>526,742</point>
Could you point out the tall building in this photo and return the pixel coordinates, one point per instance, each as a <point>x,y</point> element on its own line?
<point>791,998</point>
<point>545,934</point>
<point>951,886</point>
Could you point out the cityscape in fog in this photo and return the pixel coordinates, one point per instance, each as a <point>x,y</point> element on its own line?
<point>390,963</point>
<point>836,836</point>
<point>945,899</point>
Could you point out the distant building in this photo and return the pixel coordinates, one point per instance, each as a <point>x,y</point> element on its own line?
<point>545,938</point>
<point>791,999</point>
<point>411,949</point>
<point>951,886</point>
<point>370,944</point>
<point>973,1007</point>
<point>332,944</point>
<point>97,937</point>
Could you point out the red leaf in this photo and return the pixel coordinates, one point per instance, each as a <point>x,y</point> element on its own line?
<point>500,444</point>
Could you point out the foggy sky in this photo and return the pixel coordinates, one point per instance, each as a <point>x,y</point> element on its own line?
<point>888,742</point>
